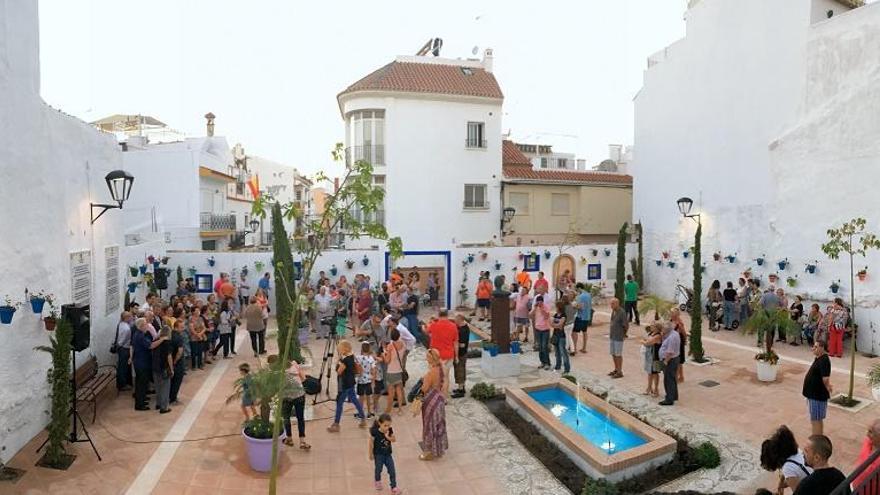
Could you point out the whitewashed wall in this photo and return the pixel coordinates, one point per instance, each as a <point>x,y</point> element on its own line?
<point>53,166</point>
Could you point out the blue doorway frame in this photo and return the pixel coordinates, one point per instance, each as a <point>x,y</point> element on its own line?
<point>446,254</point>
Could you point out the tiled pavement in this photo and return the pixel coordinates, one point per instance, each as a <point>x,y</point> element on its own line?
<point>484,457</point>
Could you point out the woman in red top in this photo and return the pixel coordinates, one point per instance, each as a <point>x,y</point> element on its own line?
<point>484,295</point>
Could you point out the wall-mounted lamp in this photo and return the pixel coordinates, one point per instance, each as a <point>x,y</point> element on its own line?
<point>119,182</point>
<point>684,206</point>
<point>254,224</point>
<point>507,216</point>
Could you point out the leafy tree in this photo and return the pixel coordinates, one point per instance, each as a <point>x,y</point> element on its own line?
<point>696,334</point>
<point>59,379</point>
<point>621,262</point>
<point>851,239</point>
<point>352,208</point>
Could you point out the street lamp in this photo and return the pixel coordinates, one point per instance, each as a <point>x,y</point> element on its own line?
<point>696,344</point>
<point>119,182</point>
<point>507,215</point>
<point>684,206</point>
<point>254,224</point>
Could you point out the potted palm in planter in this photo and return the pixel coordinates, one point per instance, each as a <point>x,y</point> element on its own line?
<point>7,310</point>
<point>761,323</point>
<point>265,386</point>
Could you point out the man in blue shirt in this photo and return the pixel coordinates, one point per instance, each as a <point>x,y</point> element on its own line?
<point>669,353</point>
<point>141,342</point>
<point>584,317</point>
<point>264,284</point>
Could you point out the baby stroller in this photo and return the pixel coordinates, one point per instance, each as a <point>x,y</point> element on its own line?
<point>686,295</point>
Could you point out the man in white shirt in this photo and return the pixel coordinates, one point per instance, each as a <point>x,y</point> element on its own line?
<point>324,307</point>
<point>409,341</point>
<point>123,352</point>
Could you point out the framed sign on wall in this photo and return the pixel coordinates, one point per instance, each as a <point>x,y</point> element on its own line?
<point>594,271</point>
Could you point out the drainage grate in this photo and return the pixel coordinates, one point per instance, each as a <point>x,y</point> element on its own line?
<point>710,383</point>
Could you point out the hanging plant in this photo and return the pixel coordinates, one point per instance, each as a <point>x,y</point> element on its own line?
<point>192,271</point>
<point>7,310</point>
<point>349,263</point>
<point>773,278</point>
<point>731,258</point>
<point>659,262</point>
<point>211,261</point>
<point>583,260</point>
<point>143,269</point>
<point>760,260</point>
<point>665,255</point>
<point>133,270</point>
<point>791,281</point>
<point>132,286</point>
<point>702,268</point>
<point>594,252</point>
<point>484,255</point>
<point>547,254</point>
<point>782,264</point>
<point>165,260</point>
<point>811,267</point>
<point>685,254</point>
<point>670,264</point>
<point>333,270</point>
<point>835,286</point>
<point>156,265</point>
<point>52,319</point>
<point>244,270</point>
<point>716,256</point>
<point>470,257</point>
<point>259,265</point>
<point>607,252</point>
<point>862,274</point>
<point>38,300</point>
<point>365,261</point>
<point>497,265</point>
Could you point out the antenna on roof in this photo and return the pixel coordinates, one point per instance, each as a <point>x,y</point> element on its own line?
<point>433,45</point>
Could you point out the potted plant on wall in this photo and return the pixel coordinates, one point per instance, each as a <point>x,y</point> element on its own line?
<point>165,259</point>
<point>211,261</point>
<point>607,252</point>
<point>365,261</point>
<point>470,257</point>
<point>143,269</point>
<point>811,267</point>
<point>716,256</point>
<point>7,310</point>
<point>594,252</point>
<point>782,263</point>
<point>38,300</point>
<point>760,259</point>
<point>59,381</point>
<point>259,265</point>
<point>765,323</point>
<point>133,270</point>
<point>50,321</point>
<point>497,265</point>
<point>349,263</point>
<point>731,258</point>
<point>547,254</point>
<point>835,286</point>
<point>791,281</point>
<point>333,270</point>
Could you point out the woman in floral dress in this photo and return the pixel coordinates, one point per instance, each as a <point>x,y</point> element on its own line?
<point>434,439</point>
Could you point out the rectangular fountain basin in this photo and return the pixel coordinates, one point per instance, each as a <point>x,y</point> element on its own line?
<point>477,337</point>
<point>607,443</point>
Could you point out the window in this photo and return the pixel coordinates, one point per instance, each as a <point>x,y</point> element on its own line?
<point>562,163</point>
<point>475,135</point>
<point>559,204</point>
<point>543,162</point>
<point>366,139</point>
<point>519,201</point>
<point>475,196</point>
<point>209,245</point>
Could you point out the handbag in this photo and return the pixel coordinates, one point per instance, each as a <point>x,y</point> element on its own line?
<point>404,374</point>
<point>657,366</point>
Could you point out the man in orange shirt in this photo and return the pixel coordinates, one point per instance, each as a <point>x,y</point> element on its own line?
<point>443,333</point>
<point>524,280</point>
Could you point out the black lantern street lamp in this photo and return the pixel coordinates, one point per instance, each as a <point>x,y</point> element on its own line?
<point>684,205</point>
<point>254,224</point>
<point>696,344</point>
<point>507,215</point>
<point>119,182</point>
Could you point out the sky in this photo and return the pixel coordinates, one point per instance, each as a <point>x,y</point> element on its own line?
<point>270,70</point>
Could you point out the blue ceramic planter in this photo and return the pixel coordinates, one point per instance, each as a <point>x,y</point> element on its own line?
<point>37,304</point>
<point>156,264</point>
<point>811,269</point>
<point>132,288</point>
<point>365,261</point>
<point>686,254</point>
<point>834,288</point>
<point>6,313</point>
<point>760,261</point>
<point>514,347</point>
<point>493,351</point>
<point>658,262</point>
<point>143,269</point>
<point>671,264</point>
<point>782,265</point>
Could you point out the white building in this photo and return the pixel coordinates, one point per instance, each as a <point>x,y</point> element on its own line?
<point>764,114</point>
<point>431,127</point>
<point>53,167</point>
<point>542,156</point>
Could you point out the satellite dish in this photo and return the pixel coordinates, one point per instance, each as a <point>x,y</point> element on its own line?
<point>475,50</point>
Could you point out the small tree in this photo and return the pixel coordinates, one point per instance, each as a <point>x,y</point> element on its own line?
<point>59,379</point>
<point>640,277</point>
<point>696,334</point>
<point>285,298</point>
<point>621,262</point>
<point>353,206</point>
<point>851,239</point>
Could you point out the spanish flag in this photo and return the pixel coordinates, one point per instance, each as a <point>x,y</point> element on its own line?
<point>254,185</point>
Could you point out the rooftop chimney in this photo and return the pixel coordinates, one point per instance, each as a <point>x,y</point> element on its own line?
<point>210,117</point>
<point>488,59</point>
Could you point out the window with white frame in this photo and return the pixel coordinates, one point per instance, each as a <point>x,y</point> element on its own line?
<point>544,162</point>
<point>559,204</point>
<point>366,140</point>
<point>562,163</point>
<point>475,196</point>
<point>476,135</point>
<point>519,201</point>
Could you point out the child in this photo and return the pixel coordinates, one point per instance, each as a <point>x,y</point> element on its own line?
<point>346,371</point>
<point>366,379</point>
<point>652,363</point>
<point>247,400</point>
<point>381,438</point>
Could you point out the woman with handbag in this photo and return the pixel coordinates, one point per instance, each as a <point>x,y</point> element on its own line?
<point>433,407</point>
<point>653,364</point>
<point>395,371</point>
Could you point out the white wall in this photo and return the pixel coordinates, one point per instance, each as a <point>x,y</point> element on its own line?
<point>53,167</point>
<point>427,166</point>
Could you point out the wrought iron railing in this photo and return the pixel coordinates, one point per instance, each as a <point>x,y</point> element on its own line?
<point>214,221</point>
<point>475,143</point>
<point>869,481</point>
<point>374,154</point>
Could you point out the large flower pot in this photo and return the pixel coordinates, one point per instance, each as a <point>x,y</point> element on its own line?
<point>766,371</point>
<point>875,391</point>
<point>37,304</point>
<point>6,313</point>
<point>259,452</point>
<point>514,347</point>
<point>156,265</point>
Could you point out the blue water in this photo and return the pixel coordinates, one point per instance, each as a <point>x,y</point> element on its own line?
<point>474,337</point>
<point>604,433</point>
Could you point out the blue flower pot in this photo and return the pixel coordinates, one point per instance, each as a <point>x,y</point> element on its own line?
<point>782,265</point>
<point>132,288</point>
<point>547,254</point>
<point>365,261</point>
<point>686,254</point>
<point>6,313</point>
<point>811,269</point>
<point>37,304</point>
<point>156,264</point>
<point>607,252</point>
<point>497,266</point>
<point>333,271</point>
<point>143,269</point>
<point>470,258</point>
<point>514,347</point>
<point>834,288</point>
<point>671,264</point>
<point>493,351</point>
<point>659,262</point>
<point>760,261</point>
<point>731,259</point>
<point>211,261</point>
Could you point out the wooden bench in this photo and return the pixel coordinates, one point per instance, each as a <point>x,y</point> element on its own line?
<point>91,381</point>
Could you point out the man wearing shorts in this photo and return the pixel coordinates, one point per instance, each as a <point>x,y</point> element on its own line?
<point>584,317</point>
<point>444,338</point>
<point>619,325</point>
<point>817,386</point>
<point>522,305</point>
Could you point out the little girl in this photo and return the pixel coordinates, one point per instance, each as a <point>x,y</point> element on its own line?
<point>381,438</point>
<point>247,400</point>
<point>366,379</point>
<point>651,349</point>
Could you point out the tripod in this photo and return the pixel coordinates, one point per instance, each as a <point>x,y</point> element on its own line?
<point>327,360</point>
<point>74,414</point>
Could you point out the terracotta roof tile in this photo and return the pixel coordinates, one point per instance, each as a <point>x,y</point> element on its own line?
<point>511,154</point>
<point>429,78</point>
<point>527,173</point>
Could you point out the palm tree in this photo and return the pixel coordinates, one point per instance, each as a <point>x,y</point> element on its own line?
<point>761,322</point>
<point>659,306</point>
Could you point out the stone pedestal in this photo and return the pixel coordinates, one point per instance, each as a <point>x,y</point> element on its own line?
<point>500,311</point>
<point>500,366</point>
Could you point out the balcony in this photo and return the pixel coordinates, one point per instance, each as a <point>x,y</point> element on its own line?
<point>217,224</point>
<point>475,143</point>
<point>374,154</point>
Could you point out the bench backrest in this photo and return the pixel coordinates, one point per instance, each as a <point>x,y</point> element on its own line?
<point>88,370</point>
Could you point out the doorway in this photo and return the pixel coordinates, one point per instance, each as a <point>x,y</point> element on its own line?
<point>560,265</point>
<point>422,263</point>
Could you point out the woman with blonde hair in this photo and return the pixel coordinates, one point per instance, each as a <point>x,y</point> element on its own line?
<point>434,439</point>
<point>346,373</point>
